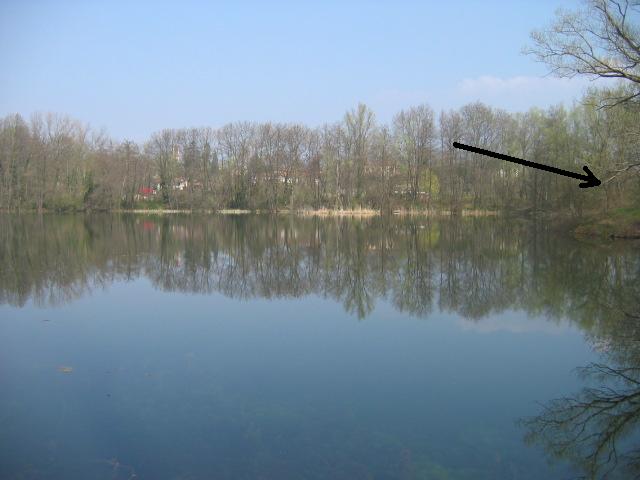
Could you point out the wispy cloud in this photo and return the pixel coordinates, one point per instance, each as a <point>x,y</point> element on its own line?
<point>514,322</point>
<point>490,84</point>
<point>516,93</point>
<point>521,92</point>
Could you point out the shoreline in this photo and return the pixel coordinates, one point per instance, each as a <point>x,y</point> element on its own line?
<point>618,224</point>
<point>322,212</point>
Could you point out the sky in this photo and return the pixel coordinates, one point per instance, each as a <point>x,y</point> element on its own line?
<point>133,68</point>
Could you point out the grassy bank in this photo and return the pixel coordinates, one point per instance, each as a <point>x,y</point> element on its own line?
<point>618,223</point>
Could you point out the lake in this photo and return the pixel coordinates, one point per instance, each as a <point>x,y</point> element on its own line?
<point>272,347</point>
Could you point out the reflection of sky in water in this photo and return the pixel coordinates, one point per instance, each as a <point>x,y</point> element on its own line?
<point>177,384</point>
<point>294,348</point>
<point>516,322</point>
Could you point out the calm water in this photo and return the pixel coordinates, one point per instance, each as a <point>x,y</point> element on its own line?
<point>199,347</point>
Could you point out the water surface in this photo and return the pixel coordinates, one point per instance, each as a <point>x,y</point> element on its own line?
<point>196,347</point>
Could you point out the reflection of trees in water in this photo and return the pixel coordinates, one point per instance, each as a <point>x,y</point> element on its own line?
<point>52,260</point>
<point>473,266</point>
<point>592,429</point>
<point>597,429</point>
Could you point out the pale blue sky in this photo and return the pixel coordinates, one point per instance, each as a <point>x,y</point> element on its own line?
<point>136,67</point>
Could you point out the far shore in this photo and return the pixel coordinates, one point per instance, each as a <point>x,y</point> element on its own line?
<point>621,223</point>
<point>323,212</point>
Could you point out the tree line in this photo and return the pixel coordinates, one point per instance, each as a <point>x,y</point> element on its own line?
<point>53,162</point>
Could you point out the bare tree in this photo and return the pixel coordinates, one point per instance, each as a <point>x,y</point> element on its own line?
<point>358,123</point>
<point>415,133</point>
<point>386,167</point>
<point>163,149</point>
<point>601,40</point>
<point>15,156</point>
<point>132,171</point>
<point>451,131</point>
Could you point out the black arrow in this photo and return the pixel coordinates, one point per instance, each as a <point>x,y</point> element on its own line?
<point>590,180</point>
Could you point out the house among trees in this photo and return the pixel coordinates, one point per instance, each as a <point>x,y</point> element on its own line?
<point>180,183</point>
<point>145,193</point>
